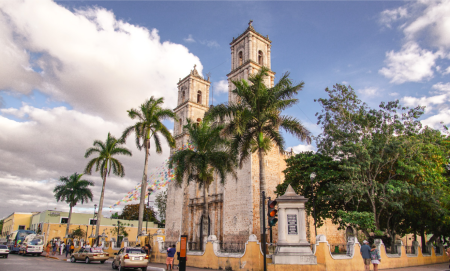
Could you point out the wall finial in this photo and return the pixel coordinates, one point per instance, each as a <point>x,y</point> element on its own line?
<point>250,23</point>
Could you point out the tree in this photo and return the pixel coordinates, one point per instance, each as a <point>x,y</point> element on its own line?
<point>210,155</point>
<point>105,162</point>
<point>161,201</point>
<point>367,141</point>
<point>131,212</point>
<point>73,190</point>
<point>149,124</point>
<point>254,118</point>
<point>115,215</point>
<point>80,233</point>
<point>1,225</point>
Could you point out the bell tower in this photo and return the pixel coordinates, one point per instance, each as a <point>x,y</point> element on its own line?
<point>249,52</point>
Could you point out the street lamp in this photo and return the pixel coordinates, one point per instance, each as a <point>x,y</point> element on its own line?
<point>312,176</point>
<point>148,211</point>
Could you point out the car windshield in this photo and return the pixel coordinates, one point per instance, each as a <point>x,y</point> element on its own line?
<point>96,250</point>
<point>36,242</point>
<point>135,251</point>
<point>3,247</point>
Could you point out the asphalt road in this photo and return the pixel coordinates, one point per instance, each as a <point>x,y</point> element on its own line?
<point>15,262</point>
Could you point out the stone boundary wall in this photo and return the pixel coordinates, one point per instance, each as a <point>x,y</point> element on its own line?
<point>252,258</point>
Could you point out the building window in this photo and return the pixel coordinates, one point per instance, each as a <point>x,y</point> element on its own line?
<point>64,220</point>
<point>21,227</point>
<point>240,58</point>
<point>199,97</point>
<point>181,125</point>
<point>260,58</point>
<point>92,221</point>
<point>183,95</point>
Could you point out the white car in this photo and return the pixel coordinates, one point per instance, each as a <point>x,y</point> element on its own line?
<point>33,244</point>
<point>4,251</point>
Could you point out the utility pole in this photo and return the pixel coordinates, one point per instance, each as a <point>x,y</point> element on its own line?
<point>263,242</point>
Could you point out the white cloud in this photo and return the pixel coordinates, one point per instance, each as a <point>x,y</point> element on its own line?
<point>425,101</point>
<point>210,43</point>
<point>410,64</point>
<point>442,87</point>
<point>393,94</point>
<point>370,91</point>
<point>446,71</point>
<point>221,86</point>
<point>436,121</point>
<point>302,148</point>
<point>91,60</point>
<point>391,15</point>
<point>189,39</point>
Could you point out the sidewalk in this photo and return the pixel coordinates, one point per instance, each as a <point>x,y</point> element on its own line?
<point>431,267</point>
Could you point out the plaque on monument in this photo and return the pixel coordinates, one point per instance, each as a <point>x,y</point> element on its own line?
<point>292,224</point>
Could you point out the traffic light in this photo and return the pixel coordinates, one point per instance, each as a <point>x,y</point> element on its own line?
<point>272,212</point>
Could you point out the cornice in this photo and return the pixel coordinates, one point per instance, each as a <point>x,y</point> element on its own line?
<point>250,29</point>
<point>246,63</point>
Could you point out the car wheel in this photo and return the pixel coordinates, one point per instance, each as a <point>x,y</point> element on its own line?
<point>113,265</point>
<point>144,268</point>
<point>87,260</point>
<point>72,259</point>
<point>6,256</point>
<point>102,261</point>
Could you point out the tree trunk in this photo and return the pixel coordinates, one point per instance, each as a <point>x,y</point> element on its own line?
<point>68,220</point>
<point>262,187</point>
<point>423,242</point>
<point>205,212</point>
<point>100,206</point>
<point>143,187</point>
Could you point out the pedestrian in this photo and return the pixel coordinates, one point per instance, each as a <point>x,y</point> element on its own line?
<point>365,253</point>
<point>170,255</point>
<point>72,248</point>
<point>54,246</point>
<point>47,250</point>
<point>61,248</point>
<point>375,256</point>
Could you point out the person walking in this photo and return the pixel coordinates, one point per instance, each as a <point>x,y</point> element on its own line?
<point>375,256</point>
<point>61,248</point>
<point>170,255</point>
<point>67,249</point>
<point>365,253</point>
<point>47,250</point>
<point>54,246</point>
<point>72,248</point>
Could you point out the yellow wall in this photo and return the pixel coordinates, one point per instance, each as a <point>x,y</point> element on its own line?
<point>253,260</point>
<point>12,222</point>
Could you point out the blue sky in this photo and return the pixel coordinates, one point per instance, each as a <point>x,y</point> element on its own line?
<point>70,70</point>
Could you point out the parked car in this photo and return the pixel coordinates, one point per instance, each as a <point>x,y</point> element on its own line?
<point>130,257</point>
<point>4,251</point>
<point>94,254</point>
<point>33,244</point>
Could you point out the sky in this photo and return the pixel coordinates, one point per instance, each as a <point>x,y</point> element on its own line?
<point>69,71</point>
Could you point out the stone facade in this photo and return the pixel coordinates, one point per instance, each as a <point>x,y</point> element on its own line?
<point>234,207</point>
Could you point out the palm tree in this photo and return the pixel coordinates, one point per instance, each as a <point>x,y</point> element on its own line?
<point>149,124</point>
<point>104,162</point>
<point>254,118</point>
<point>211,154</point>
<point>73,190</point>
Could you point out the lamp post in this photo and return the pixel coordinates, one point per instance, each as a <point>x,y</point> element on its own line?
<point>148,208</point>
<point>312,176</point>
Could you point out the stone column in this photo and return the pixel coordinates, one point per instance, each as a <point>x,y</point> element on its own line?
<point>292,246</point>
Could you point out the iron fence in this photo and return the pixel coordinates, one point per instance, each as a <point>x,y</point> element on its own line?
<point>437,250</point>
<point>410,250</point>
<point>232,247</point>
<point>426,250</point>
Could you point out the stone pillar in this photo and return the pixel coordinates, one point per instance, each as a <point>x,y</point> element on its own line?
<point>292,246</point>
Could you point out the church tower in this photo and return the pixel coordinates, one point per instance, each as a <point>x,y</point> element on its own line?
<point>249,52</point>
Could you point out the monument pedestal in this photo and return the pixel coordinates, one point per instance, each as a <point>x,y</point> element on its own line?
<point>292,246</point>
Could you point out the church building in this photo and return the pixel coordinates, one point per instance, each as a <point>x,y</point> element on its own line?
<point>233,206</point>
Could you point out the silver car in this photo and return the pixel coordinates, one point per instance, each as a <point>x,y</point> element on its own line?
<point>130,257</point>
<point>4,251</point>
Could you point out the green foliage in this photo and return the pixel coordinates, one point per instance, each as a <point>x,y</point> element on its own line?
<point>105,161</point>
<point>1,225</point>
<point>355,219</point>
<point>254,118</point>
<point>73,190</point>
<point>121,229</point>
<point>131,212</point>
<point>78,233</point>
<point>161,203</point>
<point>115,215</point>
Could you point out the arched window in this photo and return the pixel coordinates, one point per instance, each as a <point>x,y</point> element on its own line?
<point>199,97</point>
<point>183,95</point>
<point>260,58</point>
<point>181,125</point>
<point>240,58</point>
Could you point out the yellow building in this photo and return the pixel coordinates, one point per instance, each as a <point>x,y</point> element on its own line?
<point>16,221</point>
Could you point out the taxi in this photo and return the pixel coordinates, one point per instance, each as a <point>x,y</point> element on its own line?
<point>88,255</point>
<point>130,257</point>
<point>33,244</point>
<point>4,251</point>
